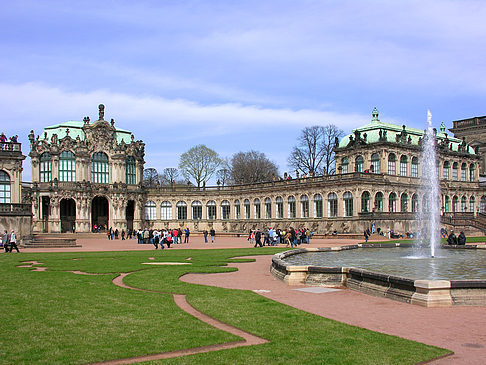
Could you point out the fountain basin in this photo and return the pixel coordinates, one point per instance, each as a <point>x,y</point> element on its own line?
<point>419,291</point>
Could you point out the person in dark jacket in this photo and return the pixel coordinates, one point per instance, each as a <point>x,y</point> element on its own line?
<point>258,238</point>
<point>452,239</point>
<point>461,239</point>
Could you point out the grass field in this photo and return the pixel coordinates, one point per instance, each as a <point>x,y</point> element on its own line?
<point>57,317</point>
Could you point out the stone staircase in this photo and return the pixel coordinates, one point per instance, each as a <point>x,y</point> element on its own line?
<point>53,240</point>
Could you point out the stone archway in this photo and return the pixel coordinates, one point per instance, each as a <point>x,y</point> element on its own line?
<point>100,212</point>
<point>67,209</point>
<point>130,213</point>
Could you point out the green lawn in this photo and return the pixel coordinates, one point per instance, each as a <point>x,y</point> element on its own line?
<point>56,317</point>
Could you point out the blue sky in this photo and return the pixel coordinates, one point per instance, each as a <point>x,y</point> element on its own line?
<point>238,75</point>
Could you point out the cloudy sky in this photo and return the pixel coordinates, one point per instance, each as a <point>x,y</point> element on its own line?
<point>236,75</point>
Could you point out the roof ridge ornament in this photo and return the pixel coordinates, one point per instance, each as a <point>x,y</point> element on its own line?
<point>374,115</point>
<point>101,109</point>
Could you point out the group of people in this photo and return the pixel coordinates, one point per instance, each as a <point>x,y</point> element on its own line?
<point>459,240</point>
<point>9,241</point>
<point>162,237</point>
<point>273,237</point>
<point>212,234</point>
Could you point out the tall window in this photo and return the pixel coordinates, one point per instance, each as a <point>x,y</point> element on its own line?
<point>279,207</point>
<point>455,167</point>
<point>447,204</point>
<point>345,165</point>
<point>211,207</point>
<point>445,170</point>
<point>225,209</point>
<point>365,202</point>
<point>166,210</point>
<point>268,208</point>
<point>304,206</point>
<point>130,171</point>
<point>4,188</point>
<point>150,211</point>
<point>472,203</point>
<point>332,202</point>
<point>379,201</point>
<point>415,165</point>
<point>318,209</point>
<point>257,208</point>
<point>463,172</point>
<point>455,203</point>
<point>67,166</point>
<point>404,203</point>
<point>463,204</point>
<point>359,165</point>
<point>99,168</point>
<point>403,165</point>
<point>247,208</point>
<point>471,172</point>
<point>482,204</point>
<point>392,202</point>
<point>196,210</point>
<point>414,203</point>
<point>375,163</point>
<point>392,170</point>
<point>181,210</point>
<point>45,168</point>
<point>237,209</point>
<point>348,204</point>
<point>292,207</point>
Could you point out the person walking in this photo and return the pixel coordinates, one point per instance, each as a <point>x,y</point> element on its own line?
<point>187,232</point>
<point>212,233</point>
<point>13,242</point>
<point>205,234</point>
<point>5,241</point>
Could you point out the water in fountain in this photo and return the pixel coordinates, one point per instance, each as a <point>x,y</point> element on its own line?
<point>428,216</point>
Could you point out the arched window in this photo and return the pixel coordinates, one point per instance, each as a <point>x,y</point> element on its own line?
<point>196,210</point>
<point>392,202</point>
<point>455,203</point>
<point>166,211</point>
<point>404,203</point>
<point>472,203</point>
<point>447,204</point>
<point>5,197</point>
<point>304,206</point>
<point>403,165</point>
<point>246,203</point>
<point>237,209</point>
<point>345,165</point>
<point>415,166</point>
<point>279,207</point>
<point>463,172</point>
<point>318,209</point>
<point>292,207</point>
<point>225,210</point>
<point>348,204</point>
<point>130,175</point>
<point>150,211</point>
<point>365,202</point>
<point>257,209</point>
<point>482,204</point>
<point>392,170</point>
<point>415,201</point>
<point>471,172</point>
<point>379,201</point>
<point>67,166</point>
<point>45,168</point>
<point>375,163</point>
<point>463,204</point>
<point>268,208</point>
<point>99,168</point>
<point>211,208</point>
<point>332,205</point>
<point>455,168</point>
<point>359,164</point>
<point>445,170</point>
<point>181,210</point>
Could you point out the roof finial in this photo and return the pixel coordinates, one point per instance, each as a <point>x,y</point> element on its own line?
<point>101,108</point>
<point>442,127</point>
<point>374,115</point>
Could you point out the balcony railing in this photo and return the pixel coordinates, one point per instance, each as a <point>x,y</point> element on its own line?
<point>10,147</point>
<point>15,209</point>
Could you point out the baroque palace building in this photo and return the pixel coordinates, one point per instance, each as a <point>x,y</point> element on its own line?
<point>86,174</point>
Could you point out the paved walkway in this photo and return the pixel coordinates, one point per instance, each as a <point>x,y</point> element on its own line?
<point>460,329</point>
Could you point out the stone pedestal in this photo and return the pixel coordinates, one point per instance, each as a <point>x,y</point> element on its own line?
<point>432,293</point>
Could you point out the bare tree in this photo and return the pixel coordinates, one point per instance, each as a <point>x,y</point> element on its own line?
<point>314,151</point>
<point>200,163</point>
<point>150,177</point>
<point>251,167</point>
<point>169,176</point>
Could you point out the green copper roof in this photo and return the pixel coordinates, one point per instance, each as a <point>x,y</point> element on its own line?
<point>75,130</point>
<point>373,128</point>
